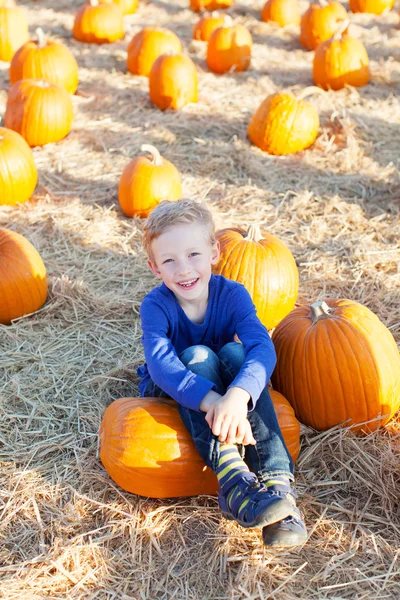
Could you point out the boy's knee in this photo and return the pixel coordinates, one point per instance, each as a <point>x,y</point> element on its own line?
<point>197,355</point>
<point>233,351</point>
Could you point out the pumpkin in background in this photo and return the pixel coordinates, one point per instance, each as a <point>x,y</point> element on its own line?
<point>45,59</point>
<point>206,25</point>
<point>23,280</point>
<point>266,268</point>
<point>281,12</point>
<point>147,45</point>
<point>376,7</point>
<point>320,22</point>
<point>336,361</point>
<point>98,23</point>
<point>284,124</point>
<point>147,450</point>
<point>210,5</point>
<point>40,111</point>
<point>18,174</point>
<point>146,181</point>
<point>340,61</point>
<point>127,7</point>
<point>173,81</point>
<point>13,30</point>
<point>229,49</point>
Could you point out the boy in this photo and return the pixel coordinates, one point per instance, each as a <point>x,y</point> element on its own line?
<point>188,324</point>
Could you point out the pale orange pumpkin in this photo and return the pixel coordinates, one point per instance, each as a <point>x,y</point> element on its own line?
<point>206,25</point>
<point>210,5</point>
<point>18,174</point>
<point>23,280</point>
<point>45,59</point>
<point>376,7</point>
<point>147,45</point>
<point>320,22</point>
<point>229,49</point>
<point>98,23</point>
<point>147,181</point>
<point>147,450</point>
<point>40,111</point>
<point>281,12</point>
<point>128,7</point>
<point>284,124</point>
<point>266,268</point>
<point>173,81</point>
<point>13,30</point>
<point>337,363</point>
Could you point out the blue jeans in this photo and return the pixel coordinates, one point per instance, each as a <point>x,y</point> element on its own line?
<point>269,457</point>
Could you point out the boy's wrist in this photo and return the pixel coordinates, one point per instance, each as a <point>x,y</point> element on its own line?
<point>239,393</point>
<point>209,399</point>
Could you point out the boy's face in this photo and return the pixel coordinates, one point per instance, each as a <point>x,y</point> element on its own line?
<point>182,258</point>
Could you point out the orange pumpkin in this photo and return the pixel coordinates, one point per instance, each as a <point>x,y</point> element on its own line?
<point>146,181</point>
<point>281,12</point>
<point>23,280</point>
<point>376,7</point>
<point>210,5</point>
<point>13,30</point>
<point>340,61</point>
<point>173,81</point>
<point>98,23</point>
<point>127,7</point>
<point>337,363</point>
<point>40,111</point>
<point>206,25</point>
<point>147,450</point>
<point>147,45</point>
<point>229,49</point>
<point>320,22</point>
<point>284,124</point>
<point>18,174</point>
<point>45,59</point>
<point>266,268</point>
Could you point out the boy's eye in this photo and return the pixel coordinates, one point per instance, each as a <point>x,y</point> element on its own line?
<point>167,261</point>
<point>194,254</point>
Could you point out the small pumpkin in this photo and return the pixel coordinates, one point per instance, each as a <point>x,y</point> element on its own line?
<point>173,81</point>
<point>147,45</point>
<point>23,280</point>
<point>146,181</point>
<point>341,61</point>
<point>206,25</point>
<point>281,12</point>
<point>320,22</point>
<point>210,5</point>
<point>18,174</point>
<point>127,7</point>
<point>147,450</point>
<point>40,111</point>
<point>337,363</point>
<point>13,30</point>
<point>376,7</point>
<point>284,124</point>
<point>45,59</point>
<point>98,23</point>
<point>229,49</point>
<point>266,268</point>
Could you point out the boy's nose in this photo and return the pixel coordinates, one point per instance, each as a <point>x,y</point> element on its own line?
<point>183,268</point>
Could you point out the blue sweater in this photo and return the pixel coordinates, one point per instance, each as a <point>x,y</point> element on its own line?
<point>167,331</point>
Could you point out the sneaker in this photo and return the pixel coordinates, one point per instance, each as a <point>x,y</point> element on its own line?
<point>290,531</point>
<point>252,504</point>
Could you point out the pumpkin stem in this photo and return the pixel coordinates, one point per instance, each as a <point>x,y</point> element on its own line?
<point>341,29</point>
<point>319,309</point>
<point>253,233</point>
<point>94,2</point>
<point>228,22</point>
<point>323,3</point>
<point>155,155</point>
<point>311,89</point>
<point>41,43</point>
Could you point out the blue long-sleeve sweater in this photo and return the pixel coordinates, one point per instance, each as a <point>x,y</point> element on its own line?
<point>167,331</point>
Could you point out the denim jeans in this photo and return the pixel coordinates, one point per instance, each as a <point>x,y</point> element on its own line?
<point>269,457</point>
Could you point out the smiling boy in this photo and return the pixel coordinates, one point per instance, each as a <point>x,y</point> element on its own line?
<point>188,324</point>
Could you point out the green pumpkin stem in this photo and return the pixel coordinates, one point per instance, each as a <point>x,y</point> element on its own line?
<point>319,309</point>
<point>155,155</point>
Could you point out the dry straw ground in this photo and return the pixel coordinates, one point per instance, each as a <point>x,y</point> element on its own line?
<point>66,530</point>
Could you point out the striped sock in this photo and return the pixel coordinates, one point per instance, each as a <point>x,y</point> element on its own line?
<point>231,467</point>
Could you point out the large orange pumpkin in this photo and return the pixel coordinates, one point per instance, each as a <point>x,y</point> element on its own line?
<point>337,363</point>
<point>147,45</point>
<point>281,12</point>
<point>320,22</point>
<point>18,174</point>
<point>266,268</point>
<point>147,450</point>
<point>284,124</point>
<point>229,49</point>
<point>45,59</point>
<point>13,30</point>
<point>146,181</point>
<point>98,23</point>
<point>376,7</point>
<point>207,25</point>
<point>40,111</point>
<point>128,7</point>
<point>200,5</point>
<point>23,280</point>
<point>173,81</point>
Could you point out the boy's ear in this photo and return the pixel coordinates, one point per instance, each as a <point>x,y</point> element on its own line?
<point>153,267</point>
<point>215,253</point>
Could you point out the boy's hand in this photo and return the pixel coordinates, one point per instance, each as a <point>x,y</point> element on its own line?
<point>227,417</point>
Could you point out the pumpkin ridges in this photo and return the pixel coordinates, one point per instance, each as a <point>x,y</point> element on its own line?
<point>18,173</point>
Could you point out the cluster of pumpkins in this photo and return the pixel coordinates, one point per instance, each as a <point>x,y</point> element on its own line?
<point>337,363</point>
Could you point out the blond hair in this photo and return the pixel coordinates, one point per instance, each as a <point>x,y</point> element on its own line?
<point>167,214</point>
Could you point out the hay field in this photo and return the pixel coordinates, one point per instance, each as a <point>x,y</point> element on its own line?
<point>66,530</point>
